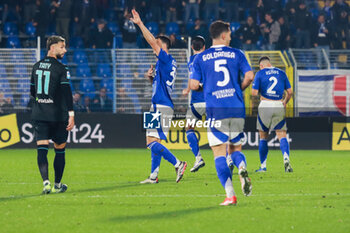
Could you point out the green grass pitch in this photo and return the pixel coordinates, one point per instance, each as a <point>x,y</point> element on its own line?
<point>104,194</point>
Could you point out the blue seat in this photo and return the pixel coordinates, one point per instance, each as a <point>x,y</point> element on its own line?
<point>83,71</point>
<point>114,28</point>
<point>104,70</point>
<point>153,27</point>
<point>20,72</point>
<point>24,100</point>
<point>10,29</point>
<point>6,88</point>
<point>3,73</point>
<point>119,42</point>
<point>108,84</point>
<point>234,26</point>
<point>172,28</point>
<point>23,85</point>
<point>13,42</point>
<point>30,29</point>
<point>80,57</point>
<point>87,87</point>
<point>315,13</point>
<point>76,42</point>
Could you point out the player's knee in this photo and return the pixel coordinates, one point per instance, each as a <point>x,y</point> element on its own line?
<point>42,142</point>
<point>263,135</point>
<point>149,140</point>
<point>60,146</point>
<point>232,148</point>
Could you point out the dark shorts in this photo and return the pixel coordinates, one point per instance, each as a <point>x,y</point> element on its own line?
<point>45,130</point>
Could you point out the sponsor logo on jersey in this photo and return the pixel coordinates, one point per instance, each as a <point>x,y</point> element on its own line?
<point>44,101</point>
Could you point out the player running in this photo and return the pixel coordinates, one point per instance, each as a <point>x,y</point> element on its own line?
<point>52,110</point>
<point>271,82</point>
<point>162,105</point>
<point>197,106</point>
<point>219,68</point>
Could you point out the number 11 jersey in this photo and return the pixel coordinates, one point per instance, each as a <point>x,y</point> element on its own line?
<point>48,75</point>
<point>219,68</point>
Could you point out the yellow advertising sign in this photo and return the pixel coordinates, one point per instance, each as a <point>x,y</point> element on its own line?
<point>9,134</point>
<point>177,136</point>
<point>341,136</point>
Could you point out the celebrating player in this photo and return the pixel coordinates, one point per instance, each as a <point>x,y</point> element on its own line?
<point>219,68</point>
<point>162,105</point>
<point>197,105</point>
<point>52,110</point>
<point>271,82</point>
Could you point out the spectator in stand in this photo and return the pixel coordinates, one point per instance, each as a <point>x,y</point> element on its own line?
<point>155,7</point>
<point>101,7</point>
<point>29,9</point>
<point>211,10</point>
<point>249,34</point>
<point>302,24</point>
<point>191,9</point>
<point>77,105</point>
<point>5,104</point>
<point>259,11</point>
<point>338,7</point>
<point>342,34</point>
<point>101,37</point>
<point>327,10</point>
<point>63,11</point>
<point>87,104</point>
<point>291,8</point>
<point>84,16</point>
<point>41,20</point>
<point>11,12</point>
<point>231,9</point>
<point>321,36</point>
<point>129,32</point>
<point>198,29</point>
<point>175,43</point>
<point>123,101</point>
<point>284,40</point>
<point>271,31</point>
<point>171,11</point>
<point>102,103</point>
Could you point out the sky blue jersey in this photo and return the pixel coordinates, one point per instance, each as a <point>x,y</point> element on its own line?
<point>271,83</point>
<point>219,67</point>
<point>164,79</point>
<point>196,96</point>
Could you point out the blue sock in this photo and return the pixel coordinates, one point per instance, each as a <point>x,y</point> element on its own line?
<point>284,145</point>
<point>238,159</point>
<point>193,141</point>
<point>156,159</point>
<point>159,149</point>
<point>224,175</point>
<point>263,151</point>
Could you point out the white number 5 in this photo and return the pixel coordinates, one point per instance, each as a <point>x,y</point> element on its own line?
<point>223,69</point>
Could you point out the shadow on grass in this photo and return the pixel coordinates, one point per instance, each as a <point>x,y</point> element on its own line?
<point>162,215</point>
<point>106,188</point>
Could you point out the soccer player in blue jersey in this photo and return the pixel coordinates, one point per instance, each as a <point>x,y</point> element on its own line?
<point>271,82</point>
<point>219,69</point>
<point>197,106</point>
<point>162,85</point>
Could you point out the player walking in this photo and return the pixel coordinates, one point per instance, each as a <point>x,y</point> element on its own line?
<point>219,68</point>
<point>271,82</point>
<point>52,110</point>
<point>197,106</point>
<point>162,105</point>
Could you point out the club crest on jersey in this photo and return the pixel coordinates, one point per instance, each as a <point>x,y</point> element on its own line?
<point>151,120</point>
<point>341,93</point>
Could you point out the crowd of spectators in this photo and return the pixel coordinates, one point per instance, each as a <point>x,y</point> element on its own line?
<point>263,24</point>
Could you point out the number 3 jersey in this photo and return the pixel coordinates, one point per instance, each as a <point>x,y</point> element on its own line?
<point>164,79</point>
<point>47,82</point>
<point>219,68</point>
<point>271,83</point>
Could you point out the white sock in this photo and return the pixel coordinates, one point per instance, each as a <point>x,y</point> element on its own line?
<point>46,182</point>
<point>230,192</point>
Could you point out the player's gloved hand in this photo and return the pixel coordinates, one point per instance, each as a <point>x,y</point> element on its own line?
<point>70,123</point>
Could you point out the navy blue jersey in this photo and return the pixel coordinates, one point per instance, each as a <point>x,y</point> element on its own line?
<point>271,83</point>
<point>219,67</point>
<point>196,96</point>
<point>164,79</point>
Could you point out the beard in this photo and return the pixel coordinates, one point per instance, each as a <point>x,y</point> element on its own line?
<point>59,56</point>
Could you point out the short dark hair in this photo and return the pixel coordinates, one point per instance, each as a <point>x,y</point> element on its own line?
<point>198,43</point>
<point>53,40</point>
<point>218,27</point>
<point>165,40</point>
<point>264,58</point>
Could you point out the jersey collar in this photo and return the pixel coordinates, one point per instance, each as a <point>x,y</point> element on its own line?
<point>217,46</point>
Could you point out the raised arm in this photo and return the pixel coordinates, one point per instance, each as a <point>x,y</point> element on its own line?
<point>145,32</point>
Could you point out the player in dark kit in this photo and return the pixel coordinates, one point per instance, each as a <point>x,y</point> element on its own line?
<point>52,112</point>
